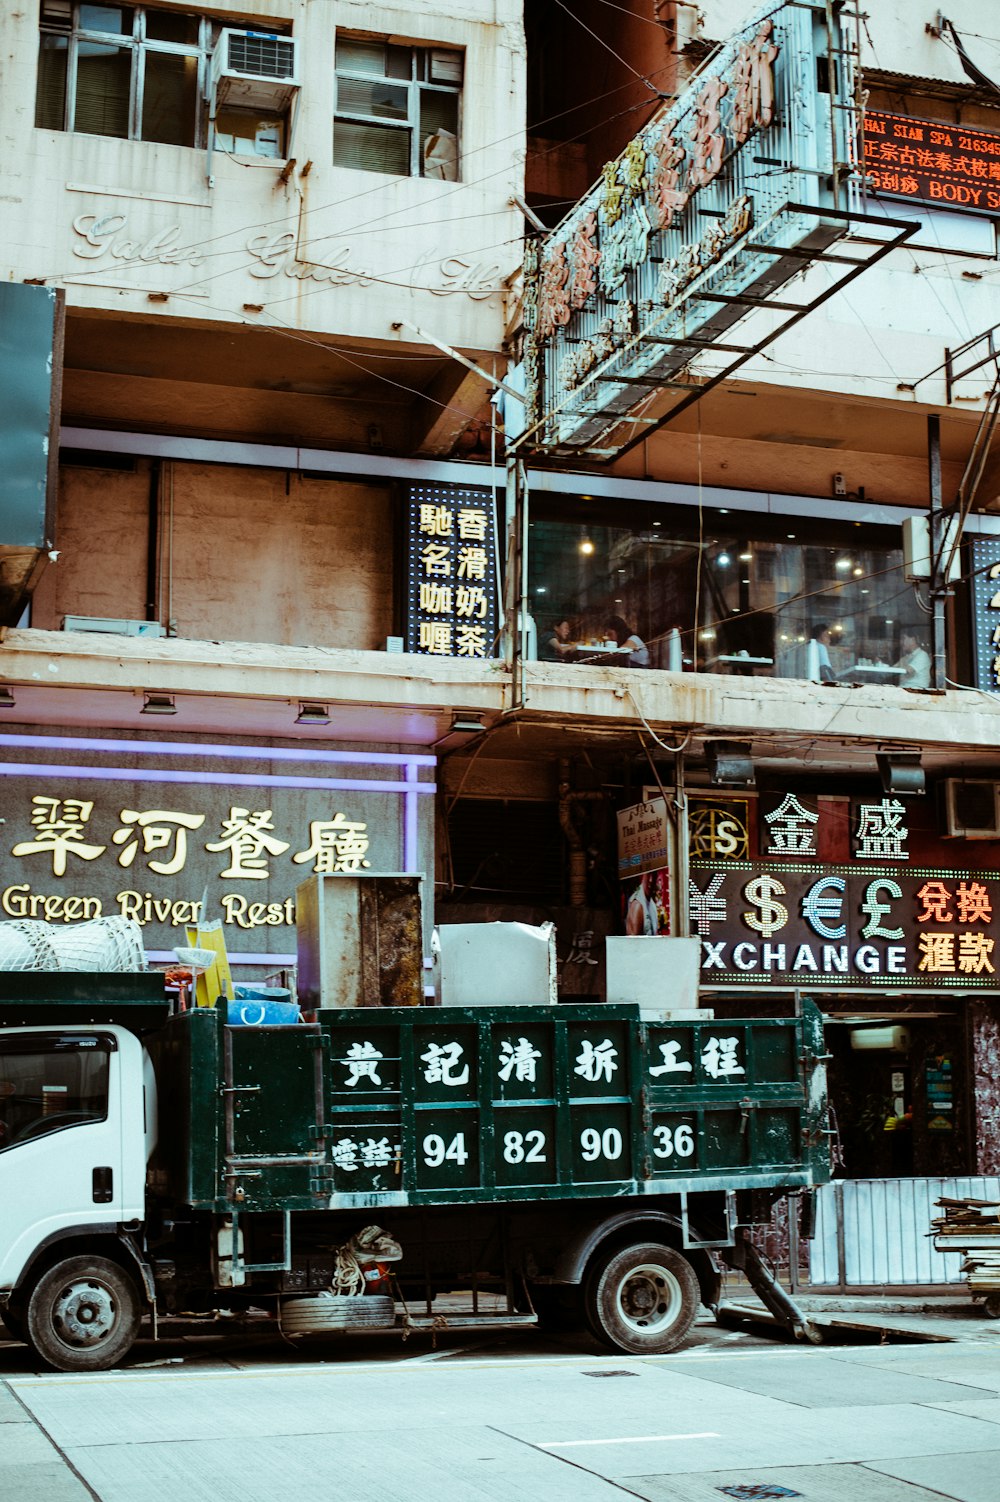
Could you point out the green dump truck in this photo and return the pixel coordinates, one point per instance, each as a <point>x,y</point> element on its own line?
<point>578,1164</point>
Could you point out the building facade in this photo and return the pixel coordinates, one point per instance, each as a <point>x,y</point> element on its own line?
<point>288,246</point>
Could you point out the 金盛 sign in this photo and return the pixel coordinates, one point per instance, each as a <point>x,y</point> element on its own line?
<point>779,923</point>
<point>144,828</point>
<point>662,257</point>
<point>451,577</point>
<point>953,166</point>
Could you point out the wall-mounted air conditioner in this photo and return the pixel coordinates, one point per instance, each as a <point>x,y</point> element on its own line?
<point>112,625</point>
<point>255,69</point>
<point>970,810</point>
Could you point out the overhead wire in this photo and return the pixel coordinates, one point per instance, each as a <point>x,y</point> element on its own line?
<point>608,48</point>
<point>380,187</point>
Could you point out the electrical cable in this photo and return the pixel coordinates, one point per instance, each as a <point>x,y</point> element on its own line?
<point>380,187</point>
<point>608,48</point>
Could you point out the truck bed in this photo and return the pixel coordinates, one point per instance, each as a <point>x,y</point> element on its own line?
<point>412,1106</point>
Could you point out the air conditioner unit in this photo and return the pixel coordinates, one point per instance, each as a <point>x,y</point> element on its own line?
<point>112,626</point>
<point>917,548</point>
<point>971,810</point>
<point>255,69</point>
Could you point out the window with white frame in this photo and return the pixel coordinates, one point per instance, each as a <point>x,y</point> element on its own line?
<point>397,108</point>
<point>140,74</point>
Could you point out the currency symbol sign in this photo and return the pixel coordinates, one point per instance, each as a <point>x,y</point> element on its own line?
<point>772,915</point>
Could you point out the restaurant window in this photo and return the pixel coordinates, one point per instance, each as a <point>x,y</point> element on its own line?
<point>733,596</point>
<point>397,108</point>
<point>139,74</point>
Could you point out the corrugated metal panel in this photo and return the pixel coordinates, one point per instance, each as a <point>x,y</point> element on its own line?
<point>875,1231</point>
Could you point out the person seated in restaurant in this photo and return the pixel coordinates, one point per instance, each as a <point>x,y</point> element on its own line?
<point>554,642</point>
<point>915,661</point>
<point>621,631</point>
<point>820,666</point>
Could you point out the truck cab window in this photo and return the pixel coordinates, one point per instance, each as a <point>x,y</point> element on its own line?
<point>49,1084</point>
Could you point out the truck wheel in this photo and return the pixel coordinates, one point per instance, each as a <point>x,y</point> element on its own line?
<point>642,1298</point>
<point>82,1315</point>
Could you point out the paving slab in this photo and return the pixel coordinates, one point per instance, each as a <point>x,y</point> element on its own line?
<point>791,1437</point>
<point>967,1364</point>
<point>966,1478</point>
<point>816,1483</point>
<point>24,1444</point>
<point>11,1411</point>
<point>54,1482</point>
<point>549,1400</point>
<point>811,1380</point>
<point>448,1463</point>
<point>987,1409</point>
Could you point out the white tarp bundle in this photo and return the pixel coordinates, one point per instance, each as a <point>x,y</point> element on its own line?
<point>100,944</point>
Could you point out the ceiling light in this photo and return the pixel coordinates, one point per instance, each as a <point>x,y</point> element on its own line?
<point>857,571</point>
<point>723,560</point>
<point>6,699</point>
<point>586,546</point>
<point>843,563</point>
<point>468,724</point>
<point>158,704</point>
<point>312,714</point>
<point>540,589</point>
<point>745,557</point>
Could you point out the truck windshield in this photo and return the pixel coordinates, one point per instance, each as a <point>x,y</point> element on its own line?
<point>48,1083</point>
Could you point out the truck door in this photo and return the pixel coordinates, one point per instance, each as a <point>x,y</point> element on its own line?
<point>274,1134</point>
<point>60,1138</point>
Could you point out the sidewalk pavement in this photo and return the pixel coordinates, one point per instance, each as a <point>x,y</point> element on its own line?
<point>945,1315</point>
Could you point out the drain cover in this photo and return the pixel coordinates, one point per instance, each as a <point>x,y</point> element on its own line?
<point>761,1489</point>
<point>609,1374</point>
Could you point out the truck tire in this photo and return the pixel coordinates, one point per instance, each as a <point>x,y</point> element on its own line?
<point>641,1298</point>
<point>82,1315</point>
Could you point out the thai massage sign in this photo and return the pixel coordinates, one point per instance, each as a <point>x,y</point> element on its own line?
<point>866,924</point>
<point>451,576</point>
<point>953,166</point>
<point>170,832</point>
<point>652,264</point>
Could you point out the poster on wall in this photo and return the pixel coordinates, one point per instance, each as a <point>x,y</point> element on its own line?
<point>644,867</point>
<point>940,1093</point>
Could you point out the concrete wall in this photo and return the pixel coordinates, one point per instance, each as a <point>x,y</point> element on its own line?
<point>330,249</point>
<point>243,555</point>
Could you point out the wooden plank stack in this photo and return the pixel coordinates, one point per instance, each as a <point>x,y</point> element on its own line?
<point>972,1226</point>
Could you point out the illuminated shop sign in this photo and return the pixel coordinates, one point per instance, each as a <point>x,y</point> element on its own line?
<point>662,256</point>
<point>953,166</point>
<point>718,829</point>
<point>146,830</point>
<point>451,575</point>
<point>779,923</point>
<point>985,599</point>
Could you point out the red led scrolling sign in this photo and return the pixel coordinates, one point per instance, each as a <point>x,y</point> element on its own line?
<point>954,166</point>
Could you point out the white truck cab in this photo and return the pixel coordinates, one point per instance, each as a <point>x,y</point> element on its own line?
<point>73,1151</point>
